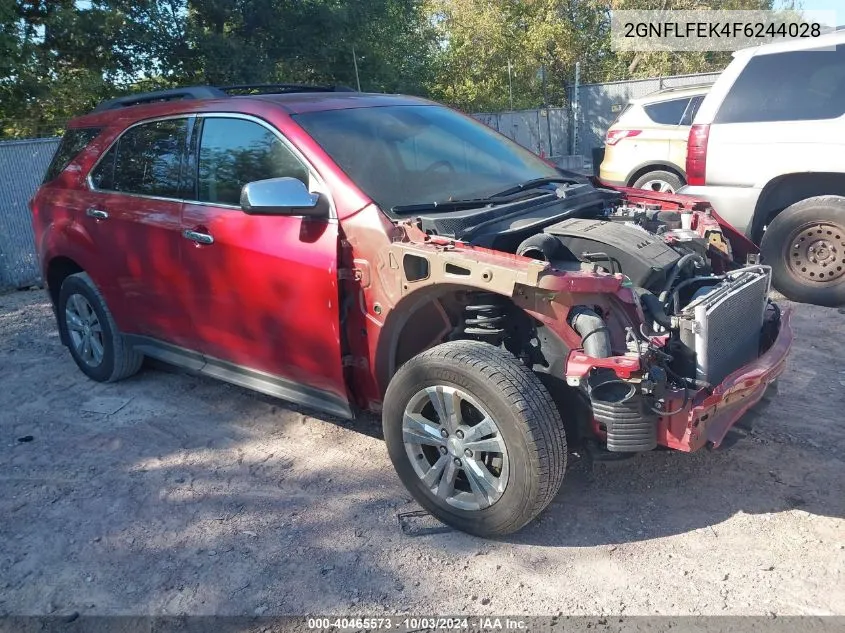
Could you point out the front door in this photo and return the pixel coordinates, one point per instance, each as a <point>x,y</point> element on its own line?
<point>263,290</point>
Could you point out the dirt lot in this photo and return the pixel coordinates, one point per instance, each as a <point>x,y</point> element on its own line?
<point>172,494</point>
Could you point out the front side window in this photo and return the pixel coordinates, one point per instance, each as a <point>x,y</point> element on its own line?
<point>234,152</point>
<point>409,154</point>
<point>147,160</point>
<point>667,112</point>
<point>791,86</point>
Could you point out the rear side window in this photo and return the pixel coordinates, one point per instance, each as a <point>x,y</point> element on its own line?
<point>794,86</point>
<point>73,142</point>
<point>667,112</point>
<point>147,160</point>
<point>234,152</point>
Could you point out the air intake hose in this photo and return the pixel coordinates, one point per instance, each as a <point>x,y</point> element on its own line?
<point>594,334</point>
<point>655,308</point>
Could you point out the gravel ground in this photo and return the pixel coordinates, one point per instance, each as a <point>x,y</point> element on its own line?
<point>173,494</point>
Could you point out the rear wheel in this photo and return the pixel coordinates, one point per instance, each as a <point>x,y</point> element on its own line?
<point>475,437</point>
<point>805,246</point>
<point>660,181</point>
<point>86,324</point>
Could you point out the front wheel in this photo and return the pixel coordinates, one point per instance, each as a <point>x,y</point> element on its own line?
<point>805,246</point>
<point>475,437</point>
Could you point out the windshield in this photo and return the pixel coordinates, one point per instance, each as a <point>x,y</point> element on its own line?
<point>408,155</point>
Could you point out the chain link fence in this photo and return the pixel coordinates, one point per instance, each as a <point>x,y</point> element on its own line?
<point>22,167</point>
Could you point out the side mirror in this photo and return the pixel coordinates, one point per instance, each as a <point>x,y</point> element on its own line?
<point>281,196</point>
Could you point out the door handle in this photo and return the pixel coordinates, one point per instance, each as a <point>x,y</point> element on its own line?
<point>97,214</point>
<point>196,236</point>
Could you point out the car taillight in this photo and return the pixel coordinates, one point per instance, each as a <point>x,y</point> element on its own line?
<point>697,154</point>
<point>614,136</point>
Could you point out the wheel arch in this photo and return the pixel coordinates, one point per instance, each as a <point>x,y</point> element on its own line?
<point>401,339</point>
<point>654,165</point>
<point>57,270</point>
<point>787,189</point>
<point>433,315</point>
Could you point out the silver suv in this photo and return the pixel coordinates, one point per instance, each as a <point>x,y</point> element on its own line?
<point>767,149</point>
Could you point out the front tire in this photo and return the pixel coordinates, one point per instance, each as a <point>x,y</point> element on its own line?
<point>475,437</point>
<point>805,246</point>
<point>88,328</point>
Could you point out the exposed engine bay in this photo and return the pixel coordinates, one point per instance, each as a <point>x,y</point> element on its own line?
<point>704,314</point>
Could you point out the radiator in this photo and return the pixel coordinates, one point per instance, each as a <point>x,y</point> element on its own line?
<point>723,326</point>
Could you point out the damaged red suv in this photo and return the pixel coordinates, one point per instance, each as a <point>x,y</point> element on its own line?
<point>364,252</point>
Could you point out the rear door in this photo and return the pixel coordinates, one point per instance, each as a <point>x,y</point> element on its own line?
<point>133,208</point>
<point>263,290</point>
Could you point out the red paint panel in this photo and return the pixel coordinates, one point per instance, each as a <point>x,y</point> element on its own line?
<point>264,295</point>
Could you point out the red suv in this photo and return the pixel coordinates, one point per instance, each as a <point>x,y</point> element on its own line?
<point>366,252</point>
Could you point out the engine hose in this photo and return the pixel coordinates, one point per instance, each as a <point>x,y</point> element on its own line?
<point>675,302</point>
<point>541,246</point>
<point>689,257</point>
<point>655,308</point>
<point>595,336</point>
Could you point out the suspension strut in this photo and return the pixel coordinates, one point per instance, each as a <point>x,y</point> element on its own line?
<point>485,319</point>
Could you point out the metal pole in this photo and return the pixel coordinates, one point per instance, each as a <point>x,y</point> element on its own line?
<point>510,83</point>
<point>576,105</point>
<point>546,105</point>
<point>355,63</point>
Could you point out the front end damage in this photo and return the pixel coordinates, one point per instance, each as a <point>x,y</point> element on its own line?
<point>670,355</point>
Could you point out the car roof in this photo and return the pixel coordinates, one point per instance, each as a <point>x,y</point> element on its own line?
<point>676,92</point>
<point>799,44</point>
<point>290,102</point>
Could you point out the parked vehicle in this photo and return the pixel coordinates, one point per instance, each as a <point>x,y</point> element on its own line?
<point>355,252</point>
<point>646,146</point>
<point>768,150</point>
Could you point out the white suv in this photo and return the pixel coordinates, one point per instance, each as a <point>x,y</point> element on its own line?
<point>767,149</point>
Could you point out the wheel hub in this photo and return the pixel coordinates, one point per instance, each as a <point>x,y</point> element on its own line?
<point>84,330</point>
<point>455,447</point>
<point>816,252</point>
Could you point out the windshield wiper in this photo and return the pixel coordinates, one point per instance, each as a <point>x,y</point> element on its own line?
<point>530,184</point>
<point>446,205</point>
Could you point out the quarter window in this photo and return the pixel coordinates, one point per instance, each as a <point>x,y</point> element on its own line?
<point>147,160</point>
<point>234,152</point>
<point>667,112</point>
<point>73,142</point>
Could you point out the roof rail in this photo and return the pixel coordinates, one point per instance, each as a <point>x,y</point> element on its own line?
<point>281,88</point>
<point>175,94</point>
<point>211,92</point>
<point>704,84</point>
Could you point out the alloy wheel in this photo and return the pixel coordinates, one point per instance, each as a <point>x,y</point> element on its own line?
<point>661,186</point>
<point>85,330</point>
<point>455,447</point>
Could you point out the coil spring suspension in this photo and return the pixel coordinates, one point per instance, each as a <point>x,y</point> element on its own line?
<point>485,320</point>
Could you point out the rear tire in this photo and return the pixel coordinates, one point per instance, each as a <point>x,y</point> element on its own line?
<point>492,481</point>
<point>659,180</point>
<point>87,325</point>
<point>805,246</point>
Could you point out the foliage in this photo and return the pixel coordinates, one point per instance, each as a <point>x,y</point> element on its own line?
<point>58,58</point>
